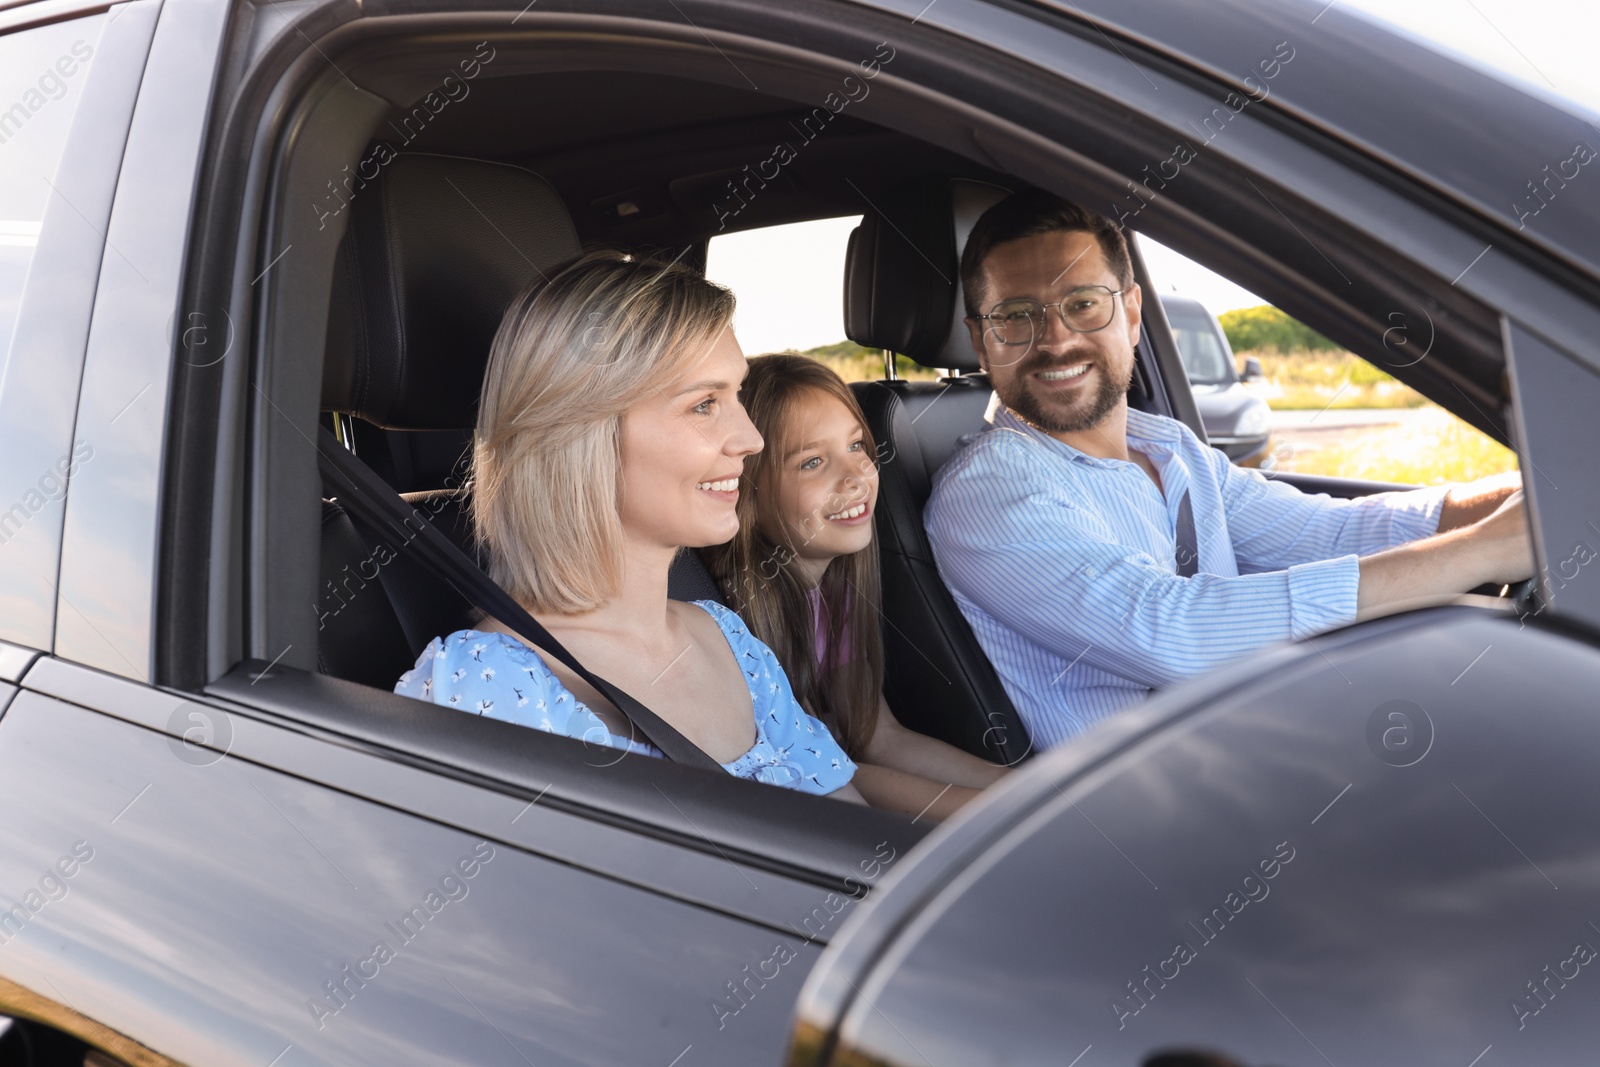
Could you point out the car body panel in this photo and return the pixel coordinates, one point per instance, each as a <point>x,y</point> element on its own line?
<point>39,390</point>
<point>1415,886</point>
<point>108,546</point>
<point>1436,137</point>
<point>1556,402</point>
<point>222,897</point>
<point>238,870</point>
<point>1221,406</point>
<point>546,820</point>
<point>15,661</point>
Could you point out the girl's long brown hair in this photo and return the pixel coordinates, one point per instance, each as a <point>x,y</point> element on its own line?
<point>756,576</point>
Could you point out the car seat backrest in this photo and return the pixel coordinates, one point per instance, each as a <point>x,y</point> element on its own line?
<point>436,249</point>
<point>690,579</point>
<point>937,678</point>
<point>359,637</point>
<point>902,287</point>
<point>902,292</point>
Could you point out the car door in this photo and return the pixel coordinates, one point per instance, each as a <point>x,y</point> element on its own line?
<point>1354,848</point>
<point>263,865</point>
<point>1380,876</point>
<point>266,828</point>
<point>69,75</point>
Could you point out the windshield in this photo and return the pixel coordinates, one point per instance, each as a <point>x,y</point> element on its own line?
<point>1204,359</point>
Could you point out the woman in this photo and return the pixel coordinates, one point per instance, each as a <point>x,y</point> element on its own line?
<point>609,435</point>
<point>803,571</point>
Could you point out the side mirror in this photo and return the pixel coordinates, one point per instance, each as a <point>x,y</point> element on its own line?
<point>1252,370</point>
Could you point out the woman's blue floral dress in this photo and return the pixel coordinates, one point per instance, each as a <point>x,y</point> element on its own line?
<point>495,674</point>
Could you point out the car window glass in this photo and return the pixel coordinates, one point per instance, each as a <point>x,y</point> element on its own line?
<point>1316,408</point>
<point>42,73</point>
<point>788,280</point>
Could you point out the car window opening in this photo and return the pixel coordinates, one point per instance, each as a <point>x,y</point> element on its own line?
<point>417,434</point>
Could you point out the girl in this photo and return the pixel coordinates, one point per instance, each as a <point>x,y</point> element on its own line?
<point>802,572</point>
<point>609,435</point>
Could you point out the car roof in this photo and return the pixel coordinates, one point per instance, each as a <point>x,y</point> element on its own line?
<point>1461,133</point>
<point>678,142</point>
<point>1478,140</point>
<point>1183,303</point>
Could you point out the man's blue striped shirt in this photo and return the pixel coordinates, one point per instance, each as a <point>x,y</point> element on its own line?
<point>1065,564</point>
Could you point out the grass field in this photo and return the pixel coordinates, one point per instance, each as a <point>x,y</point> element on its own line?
<point>1303,380</point>
<point>1430,448</point>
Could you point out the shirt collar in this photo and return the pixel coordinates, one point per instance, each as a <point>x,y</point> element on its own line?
<point>1142,426</point>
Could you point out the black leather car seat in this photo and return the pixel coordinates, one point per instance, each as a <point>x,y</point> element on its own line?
<point>435,250</point>
<point>359,634</point>
<point>902,292</point>
<point>434,253</point>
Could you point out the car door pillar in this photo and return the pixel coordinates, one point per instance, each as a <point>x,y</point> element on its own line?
<point>106,609</point>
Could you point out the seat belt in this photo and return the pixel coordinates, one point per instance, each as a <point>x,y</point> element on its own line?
<point>374,501</point>
<point>1188,551</point>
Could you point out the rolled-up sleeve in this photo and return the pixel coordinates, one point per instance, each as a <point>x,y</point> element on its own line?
<point>1043,561</point>
<point>1322,595</point>
<point>1274,525</point>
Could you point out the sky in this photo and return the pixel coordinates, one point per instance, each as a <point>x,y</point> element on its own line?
<point>788,278</point>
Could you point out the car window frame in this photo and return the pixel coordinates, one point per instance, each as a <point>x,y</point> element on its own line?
<point>262,635</point>
<point>112,531</point>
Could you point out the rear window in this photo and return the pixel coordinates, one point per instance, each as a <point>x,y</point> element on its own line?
<point>1199,346</point>
<point>789,281</point>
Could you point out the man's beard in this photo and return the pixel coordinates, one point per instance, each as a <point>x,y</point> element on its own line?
<point>1082,415</point>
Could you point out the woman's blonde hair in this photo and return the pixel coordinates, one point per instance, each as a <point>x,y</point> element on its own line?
<point>754,574</point>
<point>574,352</point>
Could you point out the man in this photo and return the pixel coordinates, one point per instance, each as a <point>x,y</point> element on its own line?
<point>1058,527</point>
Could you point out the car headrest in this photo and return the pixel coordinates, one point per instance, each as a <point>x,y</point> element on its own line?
<point>902,283</point>
<point>435,251</point>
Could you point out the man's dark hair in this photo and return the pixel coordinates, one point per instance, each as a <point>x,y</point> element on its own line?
<point>1031,212</point>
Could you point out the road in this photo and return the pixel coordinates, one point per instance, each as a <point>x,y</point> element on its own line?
<point>1304,432</point>
<point>1339,418</point>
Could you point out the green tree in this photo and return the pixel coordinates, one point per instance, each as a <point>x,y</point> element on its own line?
<point>1265,327</point>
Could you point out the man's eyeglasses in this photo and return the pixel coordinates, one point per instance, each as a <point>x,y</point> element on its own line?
<point>1018,322</point>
